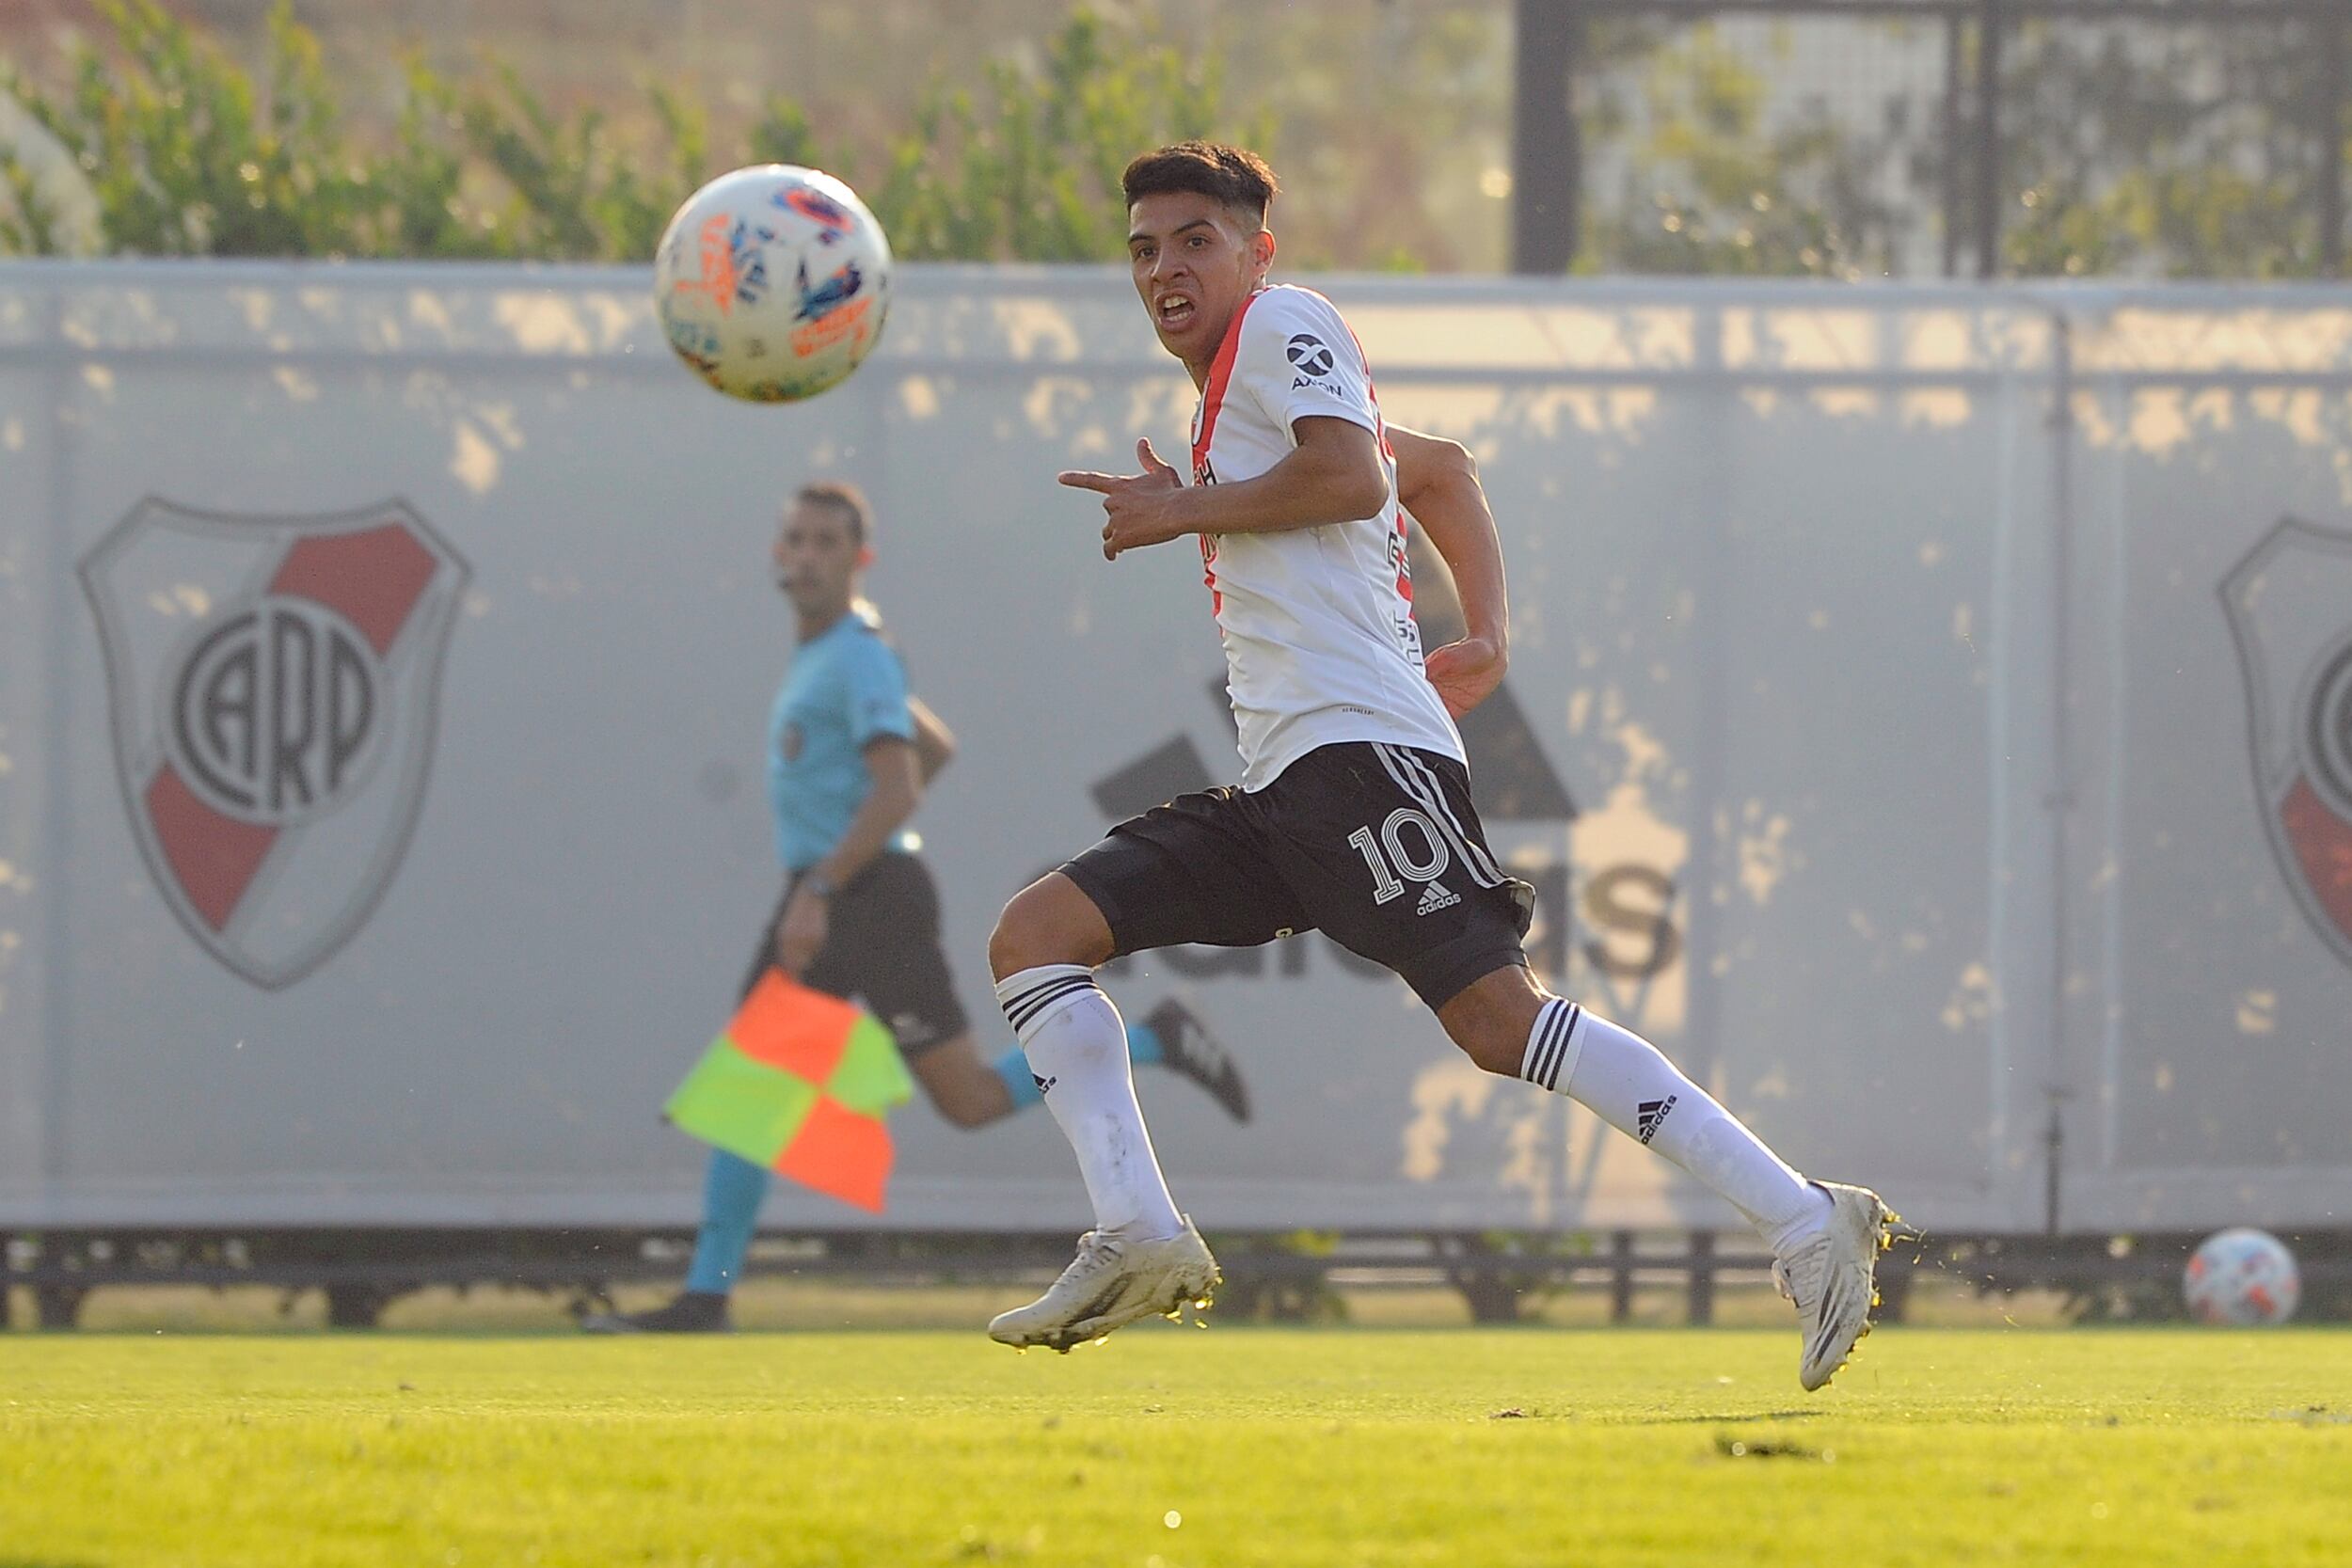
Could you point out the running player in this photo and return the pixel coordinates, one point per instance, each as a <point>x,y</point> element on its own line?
<point>848,754</point>
<point>1353,815</point>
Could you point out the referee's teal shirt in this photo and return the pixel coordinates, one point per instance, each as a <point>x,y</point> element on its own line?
<point>846,688</point>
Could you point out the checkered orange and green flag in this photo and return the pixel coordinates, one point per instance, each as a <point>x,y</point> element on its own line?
<point>800,1082</point>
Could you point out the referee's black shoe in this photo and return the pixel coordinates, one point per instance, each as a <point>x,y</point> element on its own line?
<point>1188,1050</point>
<point>692,1312</point>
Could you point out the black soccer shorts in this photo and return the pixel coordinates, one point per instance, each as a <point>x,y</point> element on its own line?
<point>882,950</point>
<point>1376,846</point>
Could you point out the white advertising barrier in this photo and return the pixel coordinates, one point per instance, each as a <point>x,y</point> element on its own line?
<point>1930,719</point>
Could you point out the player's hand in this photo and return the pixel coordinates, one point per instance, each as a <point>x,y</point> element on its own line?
<point>1465,673</point>
<point>801,934</point>
<point>1140,509</point>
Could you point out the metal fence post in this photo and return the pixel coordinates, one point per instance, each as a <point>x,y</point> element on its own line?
<point>2060,799</point>
<point>58,805</point>
<point>1702,1283</point>
<point>1621,1277</point>
<point>2330,118</point>
<point>1547,154</point>
<point>1955,42</point>
<point>1989,24</point>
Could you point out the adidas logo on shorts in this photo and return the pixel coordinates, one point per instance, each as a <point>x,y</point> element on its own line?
<point>1436,895</point>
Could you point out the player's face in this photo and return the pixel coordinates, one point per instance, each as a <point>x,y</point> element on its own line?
<point>1195,261</point>
<point>817,560</point>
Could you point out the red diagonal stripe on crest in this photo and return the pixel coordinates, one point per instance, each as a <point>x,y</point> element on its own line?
<point>2323,846</point>
<point>372,578</point>
<point>215,856</point>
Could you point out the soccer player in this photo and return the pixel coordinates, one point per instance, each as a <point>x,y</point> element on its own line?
<point>1353,815</point>
<point>848,754</point>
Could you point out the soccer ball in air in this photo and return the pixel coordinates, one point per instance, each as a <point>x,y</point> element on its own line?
<point>2242,1275</point>
<point>772,282</point>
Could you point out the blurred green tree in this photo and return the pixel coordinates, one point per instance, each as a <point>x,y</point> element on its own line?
<point>189,155</point>
<point>2169,151</point>
<point>1706,186</point>
<point>1028,168</point>
<point>2158,150</point>
<point>186,155</point>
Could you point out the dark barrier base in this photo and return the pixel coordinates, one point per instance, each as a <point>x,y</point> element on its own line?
<point>1290,1277</point>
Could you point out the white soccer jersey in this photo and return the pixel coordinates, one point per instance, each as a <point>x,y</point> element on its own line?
<point>1320,643</point>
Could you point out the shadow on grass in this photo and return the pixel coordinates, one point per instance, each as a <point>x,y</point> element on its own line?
<point>1722,1418</point>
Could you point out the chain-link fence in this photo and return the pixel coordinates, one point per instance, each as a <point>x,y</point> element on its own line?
<point>2192,138</point>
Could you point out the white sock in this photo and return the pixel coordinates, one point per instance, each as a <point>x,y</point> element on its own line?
<point>1077,1051</point>
<point>1630,1084</point>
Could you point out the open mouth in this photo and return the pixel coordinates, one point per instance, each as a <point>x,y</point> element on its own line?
<point>1174,313</point>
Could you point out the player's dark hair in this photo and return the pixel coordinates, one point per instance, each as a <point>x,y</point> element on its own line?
<point>845,499</point>
<point>1232,175</point>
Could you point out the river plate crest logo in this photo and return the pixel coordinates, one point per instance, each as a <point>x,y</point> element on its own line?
<point>2290,608</point>
<point>273,682</point>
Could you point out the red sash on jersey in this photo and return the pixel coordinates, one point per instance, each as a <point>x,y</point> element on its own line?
<point>1211,401</point>
<point>1212,395</point>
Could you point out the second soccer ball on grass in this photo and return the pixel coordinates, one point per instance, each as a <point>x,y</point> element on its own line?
<point>2244,1276</point>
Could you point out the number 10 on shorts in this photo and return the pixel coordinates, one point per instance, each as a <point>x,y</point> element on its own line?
<point>1399,864</point>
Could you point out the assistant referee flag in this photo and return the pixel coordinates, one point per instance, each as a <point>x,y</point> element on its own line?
<point>799,1083</point>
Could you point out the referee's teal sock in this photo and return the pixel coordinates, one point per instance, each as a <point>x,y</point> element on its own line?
<point>1143,1049</point>
<point>732,1188</point>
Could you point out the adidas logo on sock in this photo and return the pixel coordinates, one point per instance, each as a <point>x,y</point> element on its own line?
<point>1649,1114</point>
<point>1046,1084</point>
<point>1436,895</point>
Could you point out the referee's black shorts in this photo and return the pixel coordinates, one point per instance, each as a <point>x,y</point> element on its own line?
<point>1376,846</point>
<point>882,950</point>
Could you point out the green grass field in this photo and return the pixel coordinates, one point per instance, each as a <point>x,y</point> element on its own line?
<point>1241,1446</point>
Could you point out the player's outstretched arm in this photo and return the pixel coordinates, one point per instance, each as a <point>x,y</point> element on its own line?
<point>1333,475</point>
<point>1437,481</point>
<point>934,742</point>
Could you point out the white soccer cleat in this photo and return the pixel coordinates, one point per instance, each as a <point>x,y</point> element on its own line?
<point>1832,1276</point>
<point>1113,1281</point>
